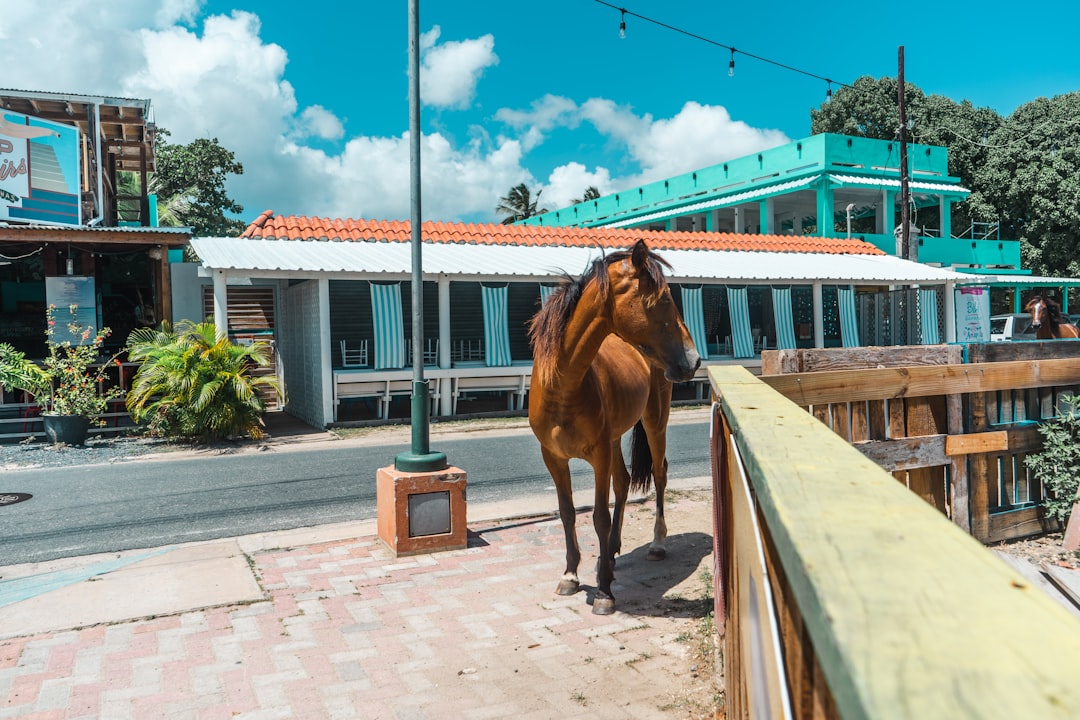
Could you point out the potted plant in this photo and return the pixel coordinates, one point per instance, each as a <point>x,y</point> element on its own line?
<point>69,385</point>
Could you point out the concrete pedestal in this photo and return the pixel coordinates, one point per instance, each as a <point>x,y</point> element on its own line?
<point>421,512</point>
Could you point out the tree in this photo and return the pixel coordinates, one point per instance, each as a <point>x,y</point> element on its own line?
<point>519,204</point>
<point>191,181</point>
<point>591,193</point>
<point>869,108</point>
<point>1030,179</point>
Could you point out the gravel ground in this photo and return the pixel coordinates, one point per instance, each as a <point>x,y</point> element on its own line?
<point>40,454</point>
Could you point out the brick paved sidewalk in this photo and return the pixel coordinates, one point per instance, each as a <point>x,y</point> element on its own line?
<point>347,631</point>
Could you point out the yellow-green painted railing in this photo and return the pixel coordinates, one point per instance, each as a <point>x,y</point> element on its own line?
<point>881,607</point>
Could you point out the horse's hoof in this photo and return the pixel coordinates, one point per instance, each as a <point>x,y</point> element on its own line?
<point>567,587</point>
<point>657,553</point>
<point>603,606</point>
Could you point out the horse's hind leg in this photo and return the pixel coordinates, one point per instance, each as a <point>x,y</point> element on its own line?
<point>560,474</point>
<point>621,483</point>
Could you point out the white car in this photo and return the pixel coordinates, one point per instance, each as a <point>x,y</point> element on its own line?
<point>1014,326</point>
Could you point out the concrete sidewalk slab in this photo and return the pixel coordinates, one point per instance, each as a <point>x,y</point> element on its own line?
<point>171,582</point>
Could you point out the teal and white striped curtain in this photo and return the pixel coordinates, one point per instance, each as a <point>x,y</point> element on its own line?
<point>849,322</point>
<point>783,319</point>
<point>496,326</point>
<point>545,292</point>
<point>694,317</point>
<point>389,327</point>
<point>928,316</point>
<point>742,338</point>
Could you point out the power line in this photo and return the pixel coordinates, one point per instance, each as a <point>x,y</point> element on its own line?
<point>623,12</point>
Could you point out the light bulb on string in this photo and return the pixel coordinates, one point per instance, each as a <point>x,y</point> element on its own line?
<point>731,64</point>
<point>828,93</point>
<point>622,24</point>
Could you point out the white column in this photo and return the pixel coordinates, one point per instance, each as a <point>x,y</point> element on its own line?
<point>221,304</point>
<point>325,358</point>
<point>950,311</point>
<point>819,317</point>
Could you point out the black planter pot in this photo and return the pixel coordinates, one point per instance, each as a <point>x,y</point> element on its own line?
<point>66,429</point>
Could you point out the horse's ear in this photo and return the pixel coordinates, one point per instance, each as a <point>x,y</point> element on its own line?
<point>639,254</point>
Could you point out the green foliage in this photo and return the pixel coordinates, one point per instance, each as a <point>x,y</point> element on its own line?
<point>1058,465</point>
<point>869,108</point>
<point>1030,178</point>
<point>1021,169</point>
<point>519,204</point>
<point>72,378</point>
<point>193,384</point>
<point>192,183</point>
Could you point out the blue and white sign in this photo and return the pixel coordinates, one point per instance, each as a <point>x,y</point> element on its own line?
<point>39,170</point>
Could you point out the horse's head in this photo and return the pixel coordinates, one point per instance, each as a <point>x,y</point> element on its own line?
<point>644,314</point>
<point>1035,306</point>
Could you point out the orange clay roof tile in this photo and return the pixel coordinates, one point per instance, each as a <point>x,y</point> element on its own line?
<point>291,227</point>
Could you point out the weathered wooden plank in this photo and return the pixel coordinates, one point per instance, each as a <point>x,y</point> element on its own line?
<point>824,359</point>
<point>840,421</point>
<point>959,510</point>
<point>879,383</point>
<point>976,443</point>
<point>897,423</point>
<point>905,453</point>
<point>976,638</point>
<point>1015,524</point>
<point>859,426</point>
<point>1067,581</point>
<point>875,410</point>
<point>1008,351</point>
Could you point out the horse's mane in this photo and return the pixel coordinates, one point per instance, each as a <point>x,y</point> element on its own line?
<point>548,325</point>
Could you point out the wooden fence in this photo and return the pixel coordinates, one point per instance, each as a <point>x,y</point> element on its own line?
<point>956,433</point>
<point>840,594</point>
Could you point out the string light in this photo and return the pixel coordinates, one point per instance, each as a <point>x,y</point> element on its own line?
<point>731,63</point>
<point>828,93</point>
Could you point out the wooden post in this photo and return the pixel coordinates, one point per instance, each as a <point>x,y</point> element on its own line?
<point>1072,530</point>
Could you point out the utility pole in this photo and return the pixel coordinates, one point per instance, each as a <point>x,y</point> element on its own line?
<point>420,458</point>
<point>907,249</point>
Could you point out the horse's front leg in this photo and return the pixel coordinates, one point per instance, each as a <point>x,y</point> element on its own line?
<point>560,474</point>
<point>621,484</point>
<point>604,601</point>
<point>657,549</point>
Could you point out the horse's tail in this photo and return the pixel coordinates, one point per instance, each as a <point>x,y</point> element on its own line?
<point>640,459</point>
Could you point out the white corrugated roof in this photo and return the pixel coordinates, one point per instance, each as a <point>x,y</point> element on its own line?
<point>393,260</point>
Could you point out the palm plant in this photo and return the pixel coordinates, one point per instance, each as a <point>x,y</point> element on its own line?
<point>591,193</point>
<point>519,204</point>
<point>194,384</point>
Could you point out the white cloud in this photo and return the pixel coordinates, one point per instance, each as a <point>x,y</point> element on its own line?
<point>696,137</point>
<point>567,184</point>
<point>449,72</point>
<point>217,77</point>
<point>319,122</point>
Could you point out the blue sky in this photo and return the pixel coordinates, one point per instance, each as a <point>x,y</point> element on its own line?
<point>314,102</point>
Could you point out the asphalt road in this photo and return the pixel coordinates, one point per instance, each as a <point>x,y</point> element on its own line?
<point>92,509</point>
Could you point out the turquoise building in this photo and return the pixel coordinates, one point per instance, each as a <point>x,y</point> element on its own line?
<point>826,185</point>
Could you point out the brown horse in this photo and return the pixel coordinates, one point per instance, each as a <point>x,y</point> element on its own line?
<point>606,349</point>
<point>1047,320</point>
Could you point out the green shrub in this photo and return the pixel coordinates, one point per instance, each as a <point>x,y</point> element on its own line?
<point>193,384</point>
<point>1058,465</point>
